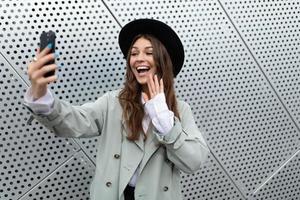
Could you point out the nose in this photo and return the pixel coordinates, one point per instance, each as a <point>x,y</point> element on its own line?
<point>140,57</point>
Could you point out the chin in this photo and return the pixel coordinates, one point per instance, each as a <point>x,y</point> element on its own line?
<point>142,81</point>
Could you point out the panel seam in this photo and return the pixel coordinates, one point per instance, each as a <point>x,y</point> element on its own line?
<point>83,149</point>
<point>276,172</point>
<point>14,70</point>
<point>48,175</point>
<point>225,171</point>
<point>275,92</point>
<point>264,74</point>
<point>111,13</point>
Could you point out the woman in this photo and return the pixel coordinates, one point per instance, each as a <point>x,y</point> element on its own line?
<point>146,136</point>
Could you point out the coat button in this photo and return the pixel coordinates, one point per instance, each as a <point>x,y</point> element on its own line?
<point>117,156</point>
<point>108,184</point>
<point>166,188</point>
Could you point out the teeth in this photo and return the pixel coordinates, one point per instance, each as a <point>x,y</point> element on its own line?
<point>142,67</point>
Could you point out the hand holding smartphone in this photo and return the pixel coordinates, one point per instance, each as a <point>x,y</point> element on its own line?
<point>45,39</point>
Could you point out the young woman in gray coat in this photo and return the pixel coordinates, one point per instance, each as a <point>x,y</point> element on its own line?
<point>146,135</point>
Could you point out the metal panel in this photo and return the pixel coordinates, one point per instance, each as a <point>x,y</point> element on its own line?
<point>241,78</point>
<point>90,60</point>
<point>28,153</point>
<point>211,182</point>
<point>285,184</point>
<point>271,30</point>
<point>70,181</point>
<point>245,123</point>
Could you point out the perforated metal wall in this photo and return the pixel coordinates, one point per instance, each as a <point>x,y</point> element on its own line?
<point>29,153</point>
<point>241,78</point>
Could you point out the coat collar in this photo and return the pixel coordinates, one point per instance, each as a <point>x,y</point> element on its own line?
<point>151,145</point>
<point>139,142</point>
<point>131,157</point>
<point>151,140</point>
<point>136,153</point>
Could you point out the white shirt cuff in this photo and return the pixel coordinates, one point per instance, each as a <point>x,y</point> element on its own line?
<point>43,105</point>
<point>162,118</point>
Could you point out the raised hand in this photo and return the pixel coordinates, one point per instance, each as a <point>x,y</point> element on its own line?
<point>37,68</point>
<point>155,87</point>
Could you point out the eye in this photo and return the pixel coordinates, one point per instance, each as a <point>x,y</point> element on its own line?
<point>133,53</point>
<point>149,53</point>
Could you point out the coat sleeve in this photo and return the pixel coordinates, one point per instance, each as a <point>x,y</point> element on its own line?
<point>76,121</point>
<point>185,145</point>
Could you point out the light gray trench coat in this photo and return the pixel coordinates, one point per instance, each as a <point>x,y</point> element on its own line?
<point>159,158</point>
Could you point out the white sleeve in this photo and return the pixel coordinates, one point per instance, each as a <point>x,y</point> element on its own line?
<point>162,118</point>
<point>42,106</point>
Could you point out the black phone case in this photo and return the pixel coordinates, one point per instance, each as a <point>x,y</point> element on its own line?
<point>45,39</point>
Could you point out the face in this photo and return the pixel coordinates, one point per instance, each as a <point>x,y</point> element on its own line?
<point>142,61</point>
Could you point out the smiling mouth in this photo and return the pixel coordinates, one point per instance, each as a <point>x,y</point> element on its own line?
<point>142,69</point>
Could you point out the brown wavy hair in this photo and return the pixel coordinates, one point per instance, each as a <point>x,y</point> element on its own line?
<point>130,95</point>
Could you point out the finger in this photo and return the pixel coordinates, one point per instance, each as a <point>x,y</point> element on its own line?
<point>45,51</point>
<point>47,58</point>
<point>36,70</point>
<point>149,87</point>
<point>145,96</point>
<point>51,79</point>
<point>37,51</point>
<point>152,85</point>
<point>156,84</point>
<point>161,86</point>
<point>35,65</point>
<point>43,61</point>
<point>148,83</point>
<point>41,72</point>
<point>47,80</point>
<point>48,68</point>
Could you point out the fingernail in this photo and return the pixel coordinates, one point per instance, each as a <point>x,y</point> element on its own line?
<point>50,45</point>
<point>56,54</point>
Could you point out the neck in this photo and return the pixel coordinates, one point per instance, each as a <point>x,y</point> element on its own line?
<point>145,89</point>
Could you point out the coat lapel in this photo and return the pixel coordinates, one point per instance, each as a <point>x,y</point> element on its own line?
<point>151,145</point>
<point>131,156</point>
<point>140,142</point>
<point>134,154</point>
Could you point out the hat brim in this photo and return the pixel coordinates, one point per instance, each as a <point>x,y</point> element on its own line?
<point>165,34</point>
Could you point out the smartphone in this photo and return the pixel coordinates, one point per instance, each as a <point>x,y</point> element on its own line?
<point>45,39</point>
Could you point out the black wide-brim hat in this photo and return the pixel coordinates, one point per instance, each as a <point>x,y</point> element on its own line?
<point>165,34</point>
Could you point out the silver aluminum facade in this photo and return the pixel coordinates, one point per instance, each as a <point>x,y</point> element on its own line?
<point>241,77</point>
